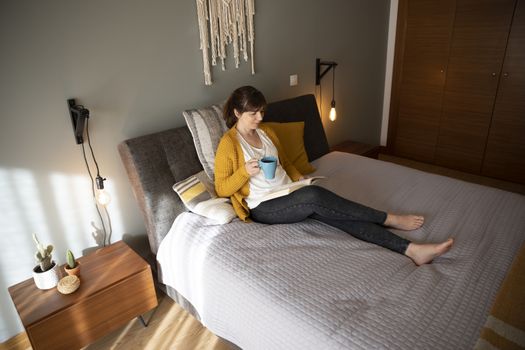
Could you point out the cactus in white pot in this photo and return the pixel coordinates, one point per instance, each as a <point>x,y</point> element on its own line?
<point>46,274</point>
<point>43,254</point>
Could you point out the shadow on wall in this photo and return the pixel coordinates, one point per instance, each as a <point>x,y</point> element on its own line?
<point>99,238</point>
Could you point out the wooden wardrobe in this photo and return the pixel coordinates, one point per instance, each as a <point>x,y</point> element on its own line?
<point>458,94</point>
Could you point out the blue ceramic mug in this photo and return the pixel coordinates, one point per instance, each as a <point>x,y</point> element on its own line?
<point>268,165</point>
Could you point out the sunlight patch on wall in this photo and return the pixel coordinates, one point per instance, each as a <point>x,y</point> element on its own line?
<point>114,212</point>
<point>74,203</point>
<point>78,215</point>
<point>22,214</point>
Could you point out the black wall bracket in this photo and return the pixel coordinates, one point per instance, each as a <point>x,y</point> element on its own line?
<point>318,64</point>
<point>78,115</point>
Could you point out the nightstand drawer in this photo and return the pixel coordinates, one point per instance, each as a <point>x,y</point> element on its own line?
<point>103,312</point>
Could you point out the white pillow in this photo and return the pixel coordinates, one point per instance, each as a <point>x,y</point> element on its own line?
<point>218,209</point>
<point>198,195</point>
<point>207,126</point>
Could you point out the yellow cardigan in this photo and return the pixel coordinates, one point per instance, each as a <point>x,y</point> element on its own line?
<point>231,177</point>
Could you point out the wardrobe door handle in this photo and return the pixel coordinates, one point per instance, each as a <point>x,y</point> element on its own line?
<point>493,74</point>
<point>505,74</point>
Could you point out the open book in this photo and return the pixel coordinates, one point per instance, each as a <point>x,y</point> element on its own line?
<point>285,189</point>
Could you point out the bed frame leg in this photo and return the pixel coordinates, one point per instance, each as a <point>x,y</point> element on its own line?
<point>141,319</point>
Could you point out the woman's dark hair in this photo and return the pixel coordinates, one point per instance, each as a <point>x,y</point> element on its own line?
<point>243,99</point>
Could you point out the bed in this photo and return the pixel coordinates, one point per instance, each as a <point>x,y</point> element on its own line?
<point>311,286</point>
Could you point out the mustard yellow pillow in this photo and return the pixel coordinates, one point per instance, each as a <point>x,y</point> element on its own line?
<point>291,137</point>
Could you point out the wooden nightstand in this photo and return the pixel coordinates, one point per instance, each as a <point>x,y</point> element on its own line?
<point>359,148</point>
<point>116,286</point>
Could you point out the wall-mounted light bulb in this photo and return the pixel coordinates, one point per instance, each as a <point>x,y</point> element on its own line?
<point>333,114</point>
<point>103,198</point>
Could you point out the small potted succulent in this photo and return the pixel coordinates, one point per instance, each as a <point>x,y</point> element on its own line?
<point>46,274</point>
<point>72,267</point>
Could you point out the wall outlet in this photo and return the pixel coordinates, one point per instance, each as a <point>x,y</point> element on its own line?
<point>293,80</point>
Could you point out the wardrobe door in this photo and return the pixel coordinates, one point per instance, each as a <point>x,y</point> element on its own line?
<point>505,153</point>
<point>481,29</point>
<point>421,68</point>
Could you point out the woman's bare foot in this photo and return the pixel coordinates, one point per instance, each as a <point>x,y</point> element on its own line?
<point>425,253</point>
<point>404,222</point>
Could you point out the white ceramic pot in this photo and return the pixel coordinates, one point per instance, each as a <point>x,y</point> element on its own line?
<point>47,279</point>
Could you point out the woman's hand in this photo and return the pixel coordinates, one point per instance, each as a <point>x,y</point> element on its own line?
<point>252,167</point>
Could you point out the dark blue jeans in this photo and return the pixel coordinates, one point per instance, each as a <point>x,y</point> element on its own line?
<point>321,204</point>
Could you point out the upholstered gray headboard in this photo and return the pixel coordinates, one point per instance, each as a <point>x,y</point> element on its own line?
<point>155,162</point>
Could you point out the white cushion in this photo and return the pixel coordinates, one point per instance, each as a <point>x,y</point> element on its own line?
<point>218,209</point>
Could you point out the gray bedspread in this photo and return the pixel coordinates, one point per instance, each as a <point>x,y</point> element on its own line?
<point>311,286</point>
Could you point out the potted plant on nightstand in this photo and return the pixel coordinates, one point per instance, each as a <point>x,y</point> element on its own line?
<point>46,274</point>
<point>72,267</point>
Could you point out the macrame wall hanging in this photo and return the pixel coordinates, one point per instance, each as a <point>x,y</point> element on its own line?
<point>224,22</point>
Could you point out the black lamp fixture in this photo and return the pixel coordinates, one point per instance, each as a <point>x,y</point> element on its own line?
<point>327,65</point>
<point>79,115</point>
<point>80,121</point>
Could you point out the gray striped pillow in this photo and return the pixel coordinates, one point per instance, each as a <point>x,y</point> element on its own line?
<point>207,127</point>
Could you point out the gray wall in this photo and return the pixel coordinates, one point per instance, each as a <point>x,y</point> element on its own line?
<point>136,65</point>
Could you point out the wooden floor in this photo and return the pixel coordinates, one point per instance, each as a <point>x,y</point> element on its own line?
<point>171,327</point>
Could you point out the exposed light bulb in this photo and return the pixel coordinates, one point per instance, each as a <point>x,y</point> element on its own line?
<point>103,198</point>
<point>333,114</point>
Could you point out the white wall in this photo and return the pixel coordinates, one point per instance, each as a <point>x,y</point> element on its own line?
<point>136,65</point>
<point>392,23</point>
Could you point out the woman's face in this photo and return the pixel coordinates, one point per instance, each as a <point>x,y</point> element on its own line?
<point>249,120</point>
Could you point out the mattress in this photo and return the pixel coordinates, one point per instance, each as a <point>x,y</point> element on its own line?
<point>311,286</point>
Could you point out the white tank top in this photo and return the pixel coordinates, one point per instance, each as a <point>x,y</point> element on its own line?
<point>259,185</point>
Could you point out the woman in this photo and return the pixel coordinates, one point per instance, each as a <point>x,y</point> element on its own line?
<point>237,175</point>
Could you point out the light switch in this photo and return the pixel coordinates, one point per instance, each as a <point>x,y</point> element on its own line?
<point>293,79</point>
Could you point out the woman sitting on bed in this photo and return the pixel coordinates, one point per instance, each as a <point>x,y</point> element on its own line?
<point>238,176</point>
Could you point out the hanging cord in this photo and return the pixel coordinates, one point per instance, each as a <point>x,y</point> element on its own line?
<point>107,234</point>
<point>91,148</point>
<point>321,98</point>
<point>93,192</point>
<point>333,83</point>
